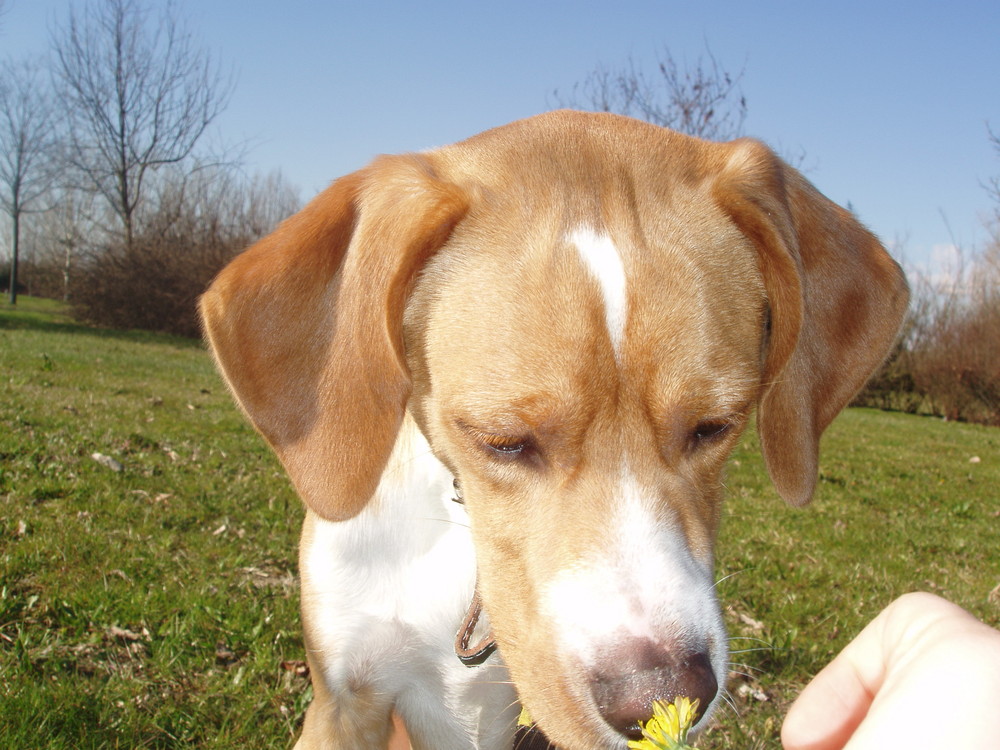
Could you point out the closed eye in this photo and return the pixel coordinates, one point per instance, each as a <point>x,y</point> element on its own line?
<point>504,445</point>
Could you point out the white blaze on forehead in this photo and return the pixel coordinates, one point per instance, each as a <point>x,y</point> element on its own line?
<point>604,262</point>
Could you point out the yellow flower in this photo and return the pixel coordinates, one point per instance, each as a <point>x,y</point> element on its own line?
<point>524,720</point>
<point>668,729</point>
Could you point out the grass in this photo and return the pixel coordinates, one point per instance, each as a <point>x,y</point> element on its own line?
<point>156,606</point>
<point>152,606</point>
<point>904,503</point>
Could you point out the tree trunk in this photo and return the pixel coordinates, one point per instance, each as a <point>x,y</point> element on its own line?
<point>16,221</point>
<point>66,269</point>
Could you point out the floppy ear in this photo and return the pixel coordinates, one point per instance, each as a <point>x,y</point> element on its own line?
<point>306,325</point>
<point>836,301</point>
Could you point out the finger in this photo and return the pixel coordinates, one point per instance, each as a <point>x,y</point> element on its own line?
<point>832,707</point>
<point>834,703</point>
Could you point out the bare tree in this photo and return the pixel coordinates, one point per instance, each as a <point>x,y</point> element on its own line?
<point>62,239</point>
<point>994,185</point>
<point>27,124</point>
<point>140,95</point>
<point>703,100</point>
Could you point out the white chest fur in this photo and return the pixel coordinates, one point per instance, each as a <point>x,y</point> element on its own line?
<point>383,596</point>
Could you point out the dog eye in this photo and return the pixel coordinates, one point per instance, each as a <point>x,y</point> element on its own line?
<point>500,444</point>
<point>505,446</point>
<point>710,431</point>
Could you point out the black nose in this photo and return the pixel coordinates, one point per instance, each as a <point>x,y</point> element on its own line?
<point>636,672</point>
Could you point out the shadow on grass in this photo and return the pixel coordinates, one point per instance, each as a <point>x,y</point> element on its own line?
<point>45,316</point>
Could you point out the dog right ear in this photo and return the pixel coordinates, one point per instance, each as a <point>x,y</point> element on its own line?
<point>306,325</point>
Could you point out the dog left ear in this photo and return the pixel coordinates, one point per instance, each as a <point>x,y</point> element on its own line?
<point>306,325</point>
<point>836,297</point>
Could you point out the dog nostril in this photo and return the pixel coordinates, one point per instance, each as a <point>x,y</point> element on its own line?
<point>635,673</point>
<point>631,731</point>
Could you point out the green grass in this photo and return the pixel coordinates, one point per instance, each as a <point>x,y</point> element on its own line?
<point>157,606</point>
<point>904,503</point>
<point>151,607</point>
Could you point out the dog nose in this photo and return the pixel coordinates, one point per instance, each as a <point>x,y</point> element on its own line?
<point>636,672</point>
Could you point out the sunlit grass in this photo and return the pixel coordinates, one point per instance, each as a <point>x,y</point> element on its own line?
<point>152,606</point>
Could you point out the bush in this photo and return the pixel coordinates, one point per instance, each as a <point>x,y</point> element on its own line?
<point>199,224</point>
<point>959,369</point>
<point>154,287</point>
<point>948,361</point>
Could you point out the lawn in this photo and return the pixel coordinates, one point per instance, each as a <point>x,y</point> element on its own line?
<point>147,549</point>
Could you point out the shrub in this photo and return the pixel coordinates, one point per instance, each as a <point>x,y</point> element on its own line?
<point>154,286</point>
<point>947,363</point>
<point>198,225</point>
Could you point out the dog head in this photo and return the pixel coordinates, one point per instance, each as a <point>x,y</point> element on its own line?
<point>581,311</point>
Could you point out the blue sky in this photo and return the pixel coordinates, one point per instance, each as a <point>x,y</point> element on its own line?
<point>889,101</point>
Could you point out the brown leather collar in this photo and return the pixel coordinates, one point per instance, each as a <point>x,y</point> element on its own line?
<point>526,738</point>
<point>475,654</point>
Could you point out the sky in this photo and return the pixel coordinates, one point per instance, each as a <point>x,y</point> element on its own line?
<point>886,104</point>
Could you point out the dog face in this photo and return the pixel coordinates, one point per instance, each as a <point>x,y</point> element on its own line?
<point>586,392</point>
<point>581,312</point>
<point>586,397</point>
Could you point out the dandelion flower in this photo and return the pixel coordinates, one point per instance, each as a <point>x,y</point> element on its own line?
<point>668,729</point>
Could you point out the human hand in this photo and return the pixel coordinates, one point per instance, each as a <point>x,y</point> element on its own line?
<point>924,674</point>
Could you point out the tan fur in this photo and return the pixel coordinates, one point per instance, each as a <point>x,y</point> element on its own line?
<point>310,317</point>
<point>444,284</point>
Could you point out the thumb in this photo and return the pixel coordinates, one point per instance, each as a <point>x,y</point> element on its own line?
<point>876,692</point>
<point>831,707</point>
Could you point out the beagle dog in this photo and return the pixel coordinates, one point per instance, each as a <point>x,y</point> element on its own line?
<point>564,323</point>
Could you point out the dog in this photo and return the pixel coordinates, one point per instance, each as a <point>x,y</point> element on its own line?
<point>505,376</point>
